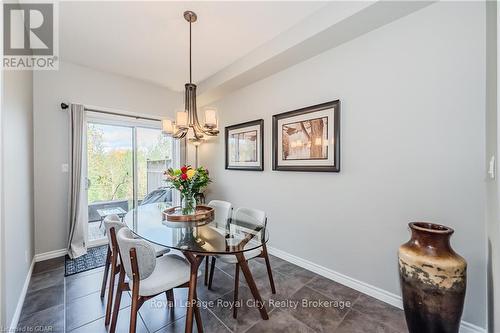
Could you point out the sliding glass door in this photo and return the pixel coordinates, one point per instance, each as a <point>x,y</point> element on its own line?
<point>154,156</point>
<point>125,164</point>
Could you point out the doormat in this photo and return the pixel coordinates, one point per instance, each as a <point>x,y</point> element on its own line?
<point>95,258</point>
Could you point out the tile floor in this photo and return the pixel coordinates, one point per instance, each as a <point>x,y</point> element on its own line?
<point>73,304</point>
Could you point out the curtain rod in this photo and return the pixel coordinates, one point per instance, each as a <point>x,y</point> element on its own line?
<point>65,106</point>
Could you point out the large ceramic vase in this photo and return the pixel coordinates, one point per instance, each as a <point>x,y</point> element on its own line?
<point>433,280</point>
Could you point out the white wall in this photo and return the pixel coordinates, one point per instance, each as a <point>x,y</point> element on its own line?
<point>413,124</point>
<point>492,188</point>
<point>73,83</point>
<point>2,231</point>
<point>17,165</point>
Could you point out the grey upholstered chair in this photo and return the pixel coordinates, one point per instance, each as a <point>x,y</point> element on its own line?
<point>114,224</point>
<point>223,211</point>
<point>247,217</point>
<point>148,276</point>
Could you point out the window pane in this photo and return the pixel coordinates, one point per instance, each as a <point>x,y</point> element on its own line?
<point>154,156</point>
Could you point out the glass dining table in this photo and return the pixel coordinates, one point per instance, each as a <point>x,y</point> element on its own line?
<point>197,240</point>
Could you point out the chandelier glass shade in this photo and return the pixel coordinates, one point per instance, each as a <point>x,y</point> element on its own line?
<point>186,122</point>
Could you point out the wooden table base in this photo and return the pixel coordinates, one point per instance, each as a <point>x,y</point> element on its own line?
<point>251,284</point>
<point>192,307</point>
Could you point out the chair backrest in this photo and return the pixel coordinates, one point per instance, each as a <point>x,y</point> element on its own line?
<point>223,210</point>
<point>249,217</point>
<point>112,222</point>
<point>145,254</point>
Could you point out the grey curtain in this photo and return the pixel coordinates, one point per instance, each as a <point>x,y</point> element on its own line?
<point>77,187</point>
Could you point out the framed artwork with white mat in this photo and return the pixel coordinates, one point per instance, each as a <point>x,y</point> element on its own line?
<point>245,146</point>
<point>308,139</point>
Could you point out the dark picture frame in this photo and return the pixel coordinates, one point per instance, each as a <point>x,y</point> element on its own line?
<point>314,112</point>
<point>259,149</point>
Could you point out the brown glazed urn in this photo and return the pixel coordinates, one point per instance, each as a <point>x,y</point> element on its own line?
<point>433,280</point>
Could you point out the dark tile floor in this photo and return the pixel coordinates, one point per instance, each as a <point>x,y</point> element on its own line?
<point>305,302</point>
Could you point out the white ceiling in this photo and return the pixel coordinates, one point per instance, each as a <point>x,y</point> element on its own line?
<point>149,40</point>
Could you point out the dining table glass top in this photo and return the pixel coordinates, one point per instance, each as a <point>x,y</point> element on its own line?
<point>242,234</point>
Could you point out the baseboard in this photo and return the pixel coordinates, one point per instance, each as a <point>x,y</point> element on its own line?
<point>20,302</point>
<point>50,255</point>
<point>466,327</point>
<point>375,292</point>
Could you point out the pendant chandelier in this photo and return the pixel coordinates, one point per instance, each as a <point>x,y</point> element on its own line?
<point>186,123</point>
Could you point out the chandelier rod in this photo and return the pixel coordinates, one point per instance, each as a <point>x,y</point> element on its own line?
<point>190,67</point>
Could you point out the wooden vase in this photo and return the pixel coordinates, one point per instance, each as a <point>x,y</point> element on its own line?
<point>433,280</point>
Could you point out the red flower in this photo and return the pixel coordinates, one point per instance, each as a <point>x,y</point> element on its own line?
<point>184,169</point>
<point>184,176</point>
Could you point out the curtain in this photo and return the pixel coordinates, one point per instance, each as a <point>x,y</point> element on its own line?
<point>78,209</point>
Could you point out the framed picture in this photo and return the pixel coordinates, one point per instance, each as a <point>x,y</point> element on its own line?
<point>245,146</point>
<point>308,139</point>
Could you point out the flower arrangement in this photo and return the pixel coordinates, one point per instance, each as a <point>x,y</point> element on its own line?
<point>188,182</point>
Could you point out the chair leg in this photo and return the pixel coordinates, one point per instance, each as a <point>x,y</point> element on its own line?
<point>236,287</point>
<point>118,298</point>
<point>206,269</point>
<point>212,270</point>
<point>106,272</point>
<point>170,297</point>
<point>111,289</point>
<point>269,271</point>
<point>134,308</point>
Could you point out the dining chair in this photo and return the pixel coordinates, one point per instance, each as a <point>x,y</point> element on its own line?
<point>113,224</point>
<point>223,211</point>
<point>148,276</point>
<point>251,218</point>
